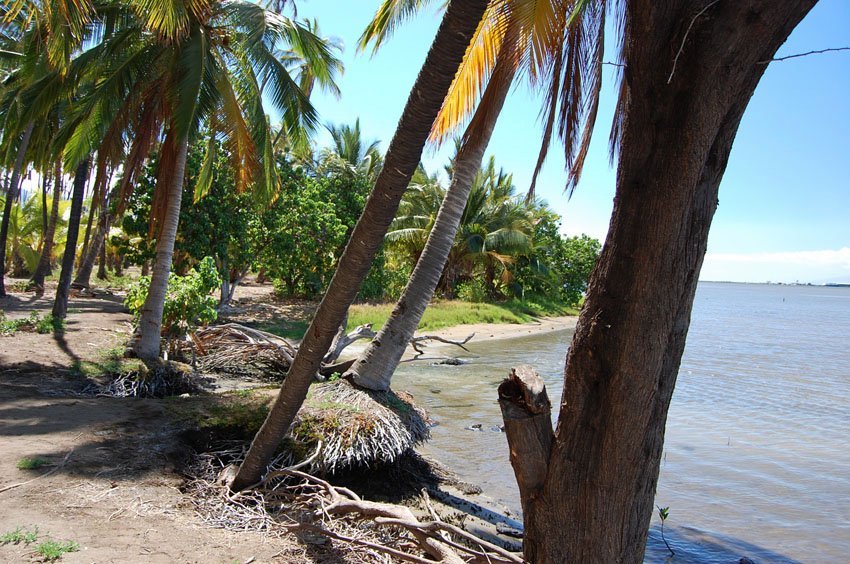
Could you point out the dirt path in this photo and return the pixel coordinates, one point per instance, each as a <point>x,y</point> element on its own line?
<point>113,484</point>
<point>111,479</point>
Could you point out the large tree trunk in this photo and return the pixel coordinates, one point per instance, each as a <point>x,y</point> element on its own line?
<point>375,366</point>
<point>150,322</point>
<point>596,501</point>
<point>60,303</point>
<point>459,23</point>
<point>11,196</point>
<point>43,268</point>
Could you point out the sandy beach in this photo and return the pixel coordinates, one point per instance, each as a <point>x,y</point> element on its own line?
<point>504,330</point>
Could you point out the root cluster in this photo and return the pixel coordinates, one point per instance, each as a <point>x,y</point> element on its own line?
<point>291,500</point>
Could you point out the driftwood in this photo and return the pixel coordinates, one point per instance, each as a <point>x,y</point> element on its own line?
<point>418,343</point>
<point>526,411</point>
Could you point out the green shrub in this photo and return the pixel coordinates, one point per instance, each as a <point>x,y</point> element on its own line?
<point>188,303</point>
<point>473,291</point>
<point>27,463</point>
<point>19,535</point>
<point>53,550</point>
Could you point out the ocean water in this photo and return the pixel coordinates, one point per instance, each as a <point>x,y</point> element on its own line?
<point>757,451</point>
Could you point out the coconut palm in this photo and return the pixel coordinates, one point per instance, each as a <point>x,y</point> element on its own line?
<point>401,160</point>
<point>492,228</point>
<point>514,35</point>
<point>349,154</point>
<point>162,72</point>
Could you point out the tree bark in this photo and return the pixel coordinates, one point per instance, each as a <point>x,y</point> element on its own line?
<point>44,266</point>
<point>375,366</point>
<point>60,303</point>
<point>101,264</point>
<point>11,196</point>
<point>682,111</point>
<point>459,23</point>
<point>150,322</point>
<point>104,221</point>
<point>527,414</point>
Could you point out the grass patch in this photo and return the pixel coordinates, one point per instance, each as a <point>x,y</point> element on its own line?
<point>122,282</point>
<point>34,322</point>
<point>111,362</point>
<point>448,313</point>
<point>19,535</point>
<point>53,550</point>
<point>27,463</point>
<point>286,328</point>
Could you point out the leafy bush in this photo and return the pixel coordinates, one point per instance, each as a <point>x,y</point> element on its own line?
<point>473,291</point>
<point>188,303</point>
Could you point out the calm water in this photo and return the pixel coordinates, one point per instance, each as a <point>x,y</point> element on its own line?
<point>757,450</point>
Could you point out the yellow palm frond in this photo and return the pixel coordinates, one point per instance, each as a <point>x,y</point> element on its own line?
<point>474,72</point>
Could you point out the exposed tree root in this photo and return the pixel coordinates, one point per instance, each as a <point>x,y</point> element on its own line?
<point>290,500</point>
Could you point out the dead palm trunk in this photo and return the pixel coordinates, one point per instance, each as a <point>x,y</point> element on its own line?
<point>60,304</point>
<point>150,322</point>
<point>375,366</point>
<point>43,268</point>
<point>405,150</point>
<point>589,496</point>
<point>11,196</point>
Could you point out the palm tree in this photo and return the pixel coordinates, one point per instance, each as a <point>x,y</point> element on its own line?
<point>43,268</point>
<point>513,34</point>
<point>171,71</point>
<point>11,196</point>
<point>402,158</point>
<point>350,154</point>
<point>60,302</point>
<point>492,228</point>
<point>691,68</point>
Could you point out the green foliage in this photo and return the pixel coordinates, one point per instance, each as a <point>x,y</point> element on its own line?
<point>188,302</point>
<point>49,549</point>
<point>53,550</point>
<point>558,265</point>
<point>300,238</point>
<point>473,291</point>
<point>27,463</point>
<point>33,322</point>
<point>663,513</point>
<point>19,535</point>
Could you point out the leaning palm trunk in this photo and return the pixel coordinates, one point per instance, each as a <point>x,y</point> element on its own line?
<point>150,321</point>
<point>374,369</point>
<point>405,150</point>
<point>43,268</point>
<point>104,221</point>
<point>11,196</point>
<point>60,303</point>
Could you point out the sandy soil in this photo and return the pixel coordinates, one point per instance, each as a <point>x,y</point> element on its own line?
<point>112,479</point>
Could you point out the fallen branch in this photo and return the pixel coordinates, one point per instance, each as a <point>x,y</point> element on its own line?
<point>417,342</point>
<point>46,474</point>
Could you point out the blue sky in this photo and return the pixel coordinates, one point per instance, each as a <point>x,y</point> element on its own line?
<point>784,211</point>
